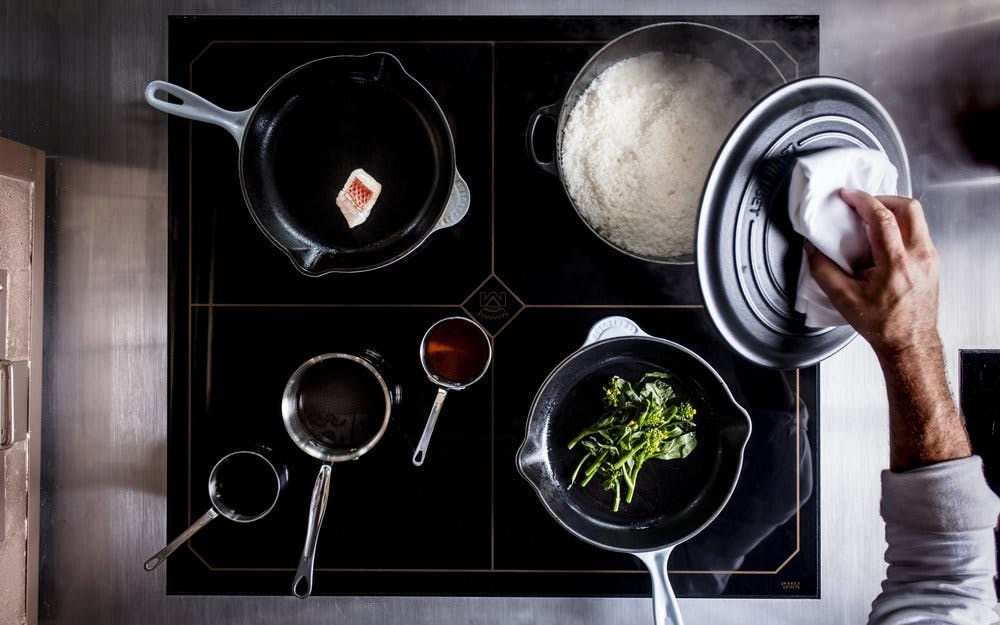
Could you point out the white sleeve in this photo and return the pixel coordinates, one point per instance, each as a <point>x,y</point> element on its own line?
<point>939,525</point>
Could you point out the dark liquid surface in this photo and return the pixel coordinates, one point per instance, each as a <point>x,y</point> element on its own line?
<point>457,351</point>
<point>245,486</point>
<point>341,403</point>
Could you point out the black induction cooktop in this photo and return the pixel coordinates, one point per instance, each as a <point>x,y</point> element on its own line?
<point>521,262</point>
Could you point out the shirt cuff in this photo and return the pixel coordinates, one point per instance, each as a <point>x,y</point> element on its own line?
<point>948,496</point>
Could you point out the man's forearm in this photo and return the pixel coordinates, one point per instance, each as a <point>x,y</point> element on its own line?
<point>924,425</point>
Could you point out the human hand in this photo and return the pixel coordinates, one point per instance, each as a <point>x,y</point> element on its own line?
<point>892,304</point>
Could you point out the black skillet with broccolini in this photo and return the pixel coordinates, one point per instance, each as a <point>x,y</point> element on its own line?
<point>640,422</point>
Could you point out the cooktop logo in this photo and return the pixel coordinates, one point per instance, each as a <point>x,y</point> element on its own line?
<point>493,305</point>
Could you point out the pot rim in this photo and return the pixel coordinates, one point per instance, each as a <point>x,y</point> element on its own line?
<point>565,110</point>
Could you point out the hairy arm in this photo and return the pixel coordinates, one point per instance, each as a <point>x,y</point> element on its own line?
<point>893,305</point>
<point>939,512</point>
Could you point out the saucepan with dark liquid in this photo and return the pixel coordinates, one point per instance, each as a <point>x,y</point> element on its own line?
<point>335,408</point>
<point>455,353</point>
<point>243,487</point>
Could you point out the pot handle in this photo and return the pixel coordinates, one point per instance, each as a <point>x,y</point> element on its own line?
<point>160,556</point>
<point>195,107</point>
<point>665,608</point>
<point>611,328</point>
<point>302,586</point>
<point>458,204</point>
<point>550,111</point>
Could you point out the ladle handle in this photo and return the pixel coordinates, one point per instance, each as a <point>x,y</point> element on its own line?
<point>665,608</point>
<point>171,547</point>
<point>425,438</point>
<point>302,586</point>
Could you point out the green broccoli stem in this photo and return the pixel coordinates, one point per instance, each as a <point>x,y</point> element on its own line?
<point>618,496</point>
<point>572,480</point>
<point>592,469</point>
<point>593,428</point>
<point>631,486</point>
<point>579,437</point>
<point>629,455</point>
<point>634,479</point>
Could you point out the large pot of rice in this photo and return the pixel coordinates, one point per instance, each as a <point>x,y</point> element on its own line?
<point>640,125</point>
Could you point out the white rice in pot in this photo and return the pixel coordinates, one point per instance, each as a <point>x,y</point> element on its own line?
<point>638,145</point>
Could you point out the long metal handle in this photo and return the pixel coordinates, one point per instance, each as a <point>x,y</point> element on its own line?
<point>160,556</point>
<point>302,586</point>
<point>425,438</point>
<point>665,608</point>
<point>195,107</point>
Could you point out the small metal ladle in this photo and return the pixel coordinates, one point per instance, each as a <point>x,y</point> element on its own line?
<point>444,384</point>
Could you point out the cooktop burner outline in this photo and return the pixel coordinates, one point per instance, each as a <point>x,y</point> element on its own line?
<point>496,301</point>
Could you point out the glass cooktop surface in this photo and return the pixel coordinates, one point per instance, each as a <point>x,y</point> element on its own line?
<point>521,262</point>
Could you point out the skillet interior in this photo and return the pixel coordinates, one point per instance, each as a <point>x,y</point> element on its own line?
<point>674,499</point>
<point>322,121</point>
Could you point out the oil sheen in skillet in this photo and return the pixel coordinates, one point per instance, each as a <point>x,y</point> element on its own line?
<point>342,404</point>
<point>457,351</point>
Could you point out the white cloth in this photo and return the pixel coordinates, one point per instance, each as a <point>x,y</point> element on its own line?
<point>818,214</point>
<point>939,526</point>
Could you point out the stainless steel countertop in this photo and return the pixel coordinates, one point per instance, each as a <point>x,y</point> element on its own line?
<point>72,80</point>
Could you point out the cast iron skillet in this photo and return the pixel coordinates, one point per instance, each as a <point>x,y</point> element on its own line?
<point>674,500</point>
<point>314,126</point>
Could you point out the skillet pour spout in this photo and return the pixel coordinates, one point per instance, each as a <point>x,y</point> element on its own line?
<point>674,500</point>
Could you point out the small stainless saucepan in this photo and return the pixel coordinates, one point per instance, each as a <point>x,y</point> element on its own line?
<point>335,407</point>
<point>242,487</point>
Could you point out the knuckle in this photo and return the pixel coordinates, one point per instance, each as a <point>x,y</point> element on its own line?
<point>914,206</point>
<point>883,215</point>
<point>897,257</point>
<point>926,255</point>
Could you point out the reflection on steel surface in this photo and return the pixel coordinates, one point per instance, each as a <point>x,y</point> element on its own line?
<point>73,82</point>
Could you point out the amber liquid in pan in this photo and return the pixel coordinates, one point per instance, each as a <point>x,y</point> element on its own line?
<point>457,351</point>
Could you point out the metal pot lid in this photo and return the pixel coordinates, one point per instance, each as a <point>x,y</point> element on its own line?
<point>748,255</point>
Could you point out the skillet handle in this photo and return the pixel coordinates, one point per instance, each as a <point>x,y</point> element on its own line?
<point>458,204</point>
<point>665,608</point>
<point>195,107</point>
<point>611,328</point>
<point>550,111</point>
<point>302,586</point>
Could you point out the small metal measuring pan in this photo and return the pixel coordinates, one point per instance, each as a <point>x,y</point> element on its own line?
<point>455,352</point>
<point>243,487</point>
